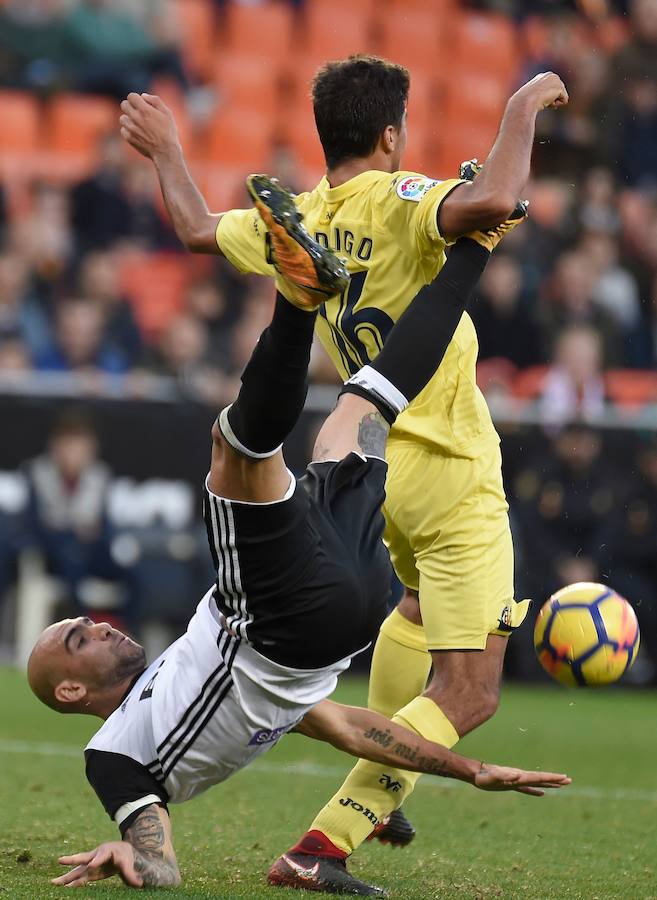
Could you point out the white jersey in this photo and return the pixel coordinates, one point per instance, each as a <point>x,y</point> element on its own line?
<point>205,709</point>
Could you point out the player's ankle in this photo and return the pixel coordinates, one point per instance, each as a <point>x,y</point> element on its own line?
<point>315,843</point>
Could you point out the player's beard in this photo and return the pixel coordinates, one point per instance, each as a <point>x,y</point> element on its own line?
<point>130,661</point>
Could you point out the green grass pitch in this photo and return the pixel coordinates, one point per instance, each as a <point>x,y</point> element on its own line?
<point>595,840</point>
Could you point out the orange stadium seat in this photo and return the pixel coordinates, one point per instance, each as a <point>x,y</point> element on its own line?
<point>263,29</point>
<point>301,136</point>
<point>224,188</point>
<point>155,285</point>
<point>631,389</point>
<point>529,382</point>
<point>239,137</point>
<point>331,35</point>
<point>414,38</point>
<point>76,122</point>
<point>250,81</point>
<point>486,42</point>
<point>442,8</point>
<point>197,25</point>
<point>20,116</point>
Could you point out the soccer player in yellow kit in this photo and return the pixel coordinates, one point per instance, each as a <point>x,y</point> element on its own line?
<point>446,513</point>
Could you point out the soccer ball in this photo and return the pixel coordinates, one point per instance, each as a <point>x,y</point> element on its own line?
<point>586,634</point>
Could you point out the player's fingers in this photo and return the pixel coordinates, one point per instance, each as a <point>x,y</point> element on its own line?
<point>154,100</point>
<point>70,877</point>
<point>100,858</point>
<point>553,777</point>
<point>134,100</point>
<point>532,791</point>
<point>76,859</point>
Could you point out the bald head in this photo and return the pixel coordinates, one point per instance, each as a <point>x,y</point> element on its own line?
<point>81,666</point>
<point>45,669</point>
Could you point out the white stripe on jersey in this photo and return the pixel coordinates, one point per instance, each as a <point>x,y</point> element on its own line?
<point>192,721</point>
<point>239,623</point>
<point>221,551</point>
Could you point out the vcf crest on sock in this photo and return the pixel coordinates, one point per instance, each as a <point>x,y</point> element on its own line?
<point>372,791</point>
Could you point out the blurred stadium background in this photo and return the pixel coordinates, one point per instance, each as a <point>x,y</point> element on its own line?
<point>117,347</point>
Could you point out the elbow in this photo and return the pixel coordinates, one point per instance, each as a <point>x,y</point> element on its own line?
<point>195,241</point>
<point>496,207</point>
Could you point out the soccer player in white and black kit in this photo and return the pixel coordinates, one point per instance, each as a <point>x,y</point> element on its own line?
<point>302,577</point>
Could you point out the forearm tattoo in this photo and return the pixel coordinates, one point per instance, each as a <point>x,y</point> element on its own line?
<point>405,754</point>
<point>372,434</point>
<point>148,838</point>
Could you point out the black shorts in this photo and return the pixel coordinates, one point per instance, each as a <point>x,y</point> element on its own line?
<point>306,579</point>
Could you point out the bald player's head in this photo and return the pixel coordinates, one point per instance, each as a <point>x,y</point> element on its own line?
<point>80,666</point>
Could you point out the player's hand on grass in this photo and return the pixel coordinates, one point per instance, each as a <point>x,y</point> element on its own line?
<point>112,858</point>
<point>147,124</point>
<point>544,91</point>
<point>504,778</point>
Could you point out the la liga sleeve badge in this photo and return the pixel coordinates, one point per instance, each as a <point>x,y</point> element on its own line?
<point>415,187</point>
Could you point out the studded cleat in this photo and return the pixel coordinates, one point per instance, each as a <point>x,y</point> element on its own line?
<point>395,830</point>
<point>312,272</point>
<point>319,873</point>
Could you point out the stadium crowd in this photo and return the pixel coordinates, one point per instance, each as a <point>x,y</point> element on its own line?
<point>95,287</point>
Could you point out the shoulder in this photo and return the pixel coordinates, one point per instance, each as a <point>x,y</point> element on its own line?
<point>411,187</point>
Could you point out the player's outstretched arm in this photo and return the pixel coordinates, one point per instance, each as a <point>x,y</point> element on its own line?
<point>495,191</point>
<point>148,125</point>
<point>144,858</point>
<point>369,735</point>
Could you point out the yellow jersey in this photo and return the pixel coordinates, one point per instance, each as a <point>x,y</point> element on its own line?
<point>386,228</point>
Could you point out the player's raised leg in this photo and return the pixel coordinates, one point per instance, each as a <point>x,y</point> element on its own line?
<point>247,462</point>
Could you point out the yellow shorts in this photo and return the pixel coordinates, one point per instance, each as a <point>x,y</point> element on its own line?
<point>447,530</point>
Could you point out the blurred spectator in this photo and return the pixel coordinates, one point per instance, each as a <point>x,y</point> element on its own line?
<point>213,305</point>
<point>615,290</point>
<point>33,46</point>
<point>87,45</point>
<point>183,353</point>
<point>564,497</point>
<point>631,125</point>
<point>570,301</point>
<point>44,237</point>
<point>596,207</point>
<point>14,357</point>
<point>117,203</point>
<point>67,519</point>
<point>574,386</point>
<point>79,344</point>
<point>114,51</point>
<point>22,317</point>
<point>99,283</point>
<point>505,328</point>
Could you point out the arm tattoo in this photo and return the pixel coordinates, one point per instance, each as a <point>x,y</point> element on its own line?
<point>407,754</point>
<point>372,434</point>
<point>147,837</point>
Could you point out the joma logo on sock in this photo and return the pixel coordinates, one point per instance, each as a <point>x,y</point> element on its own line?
<point>347,801</point>
<point>391,785</point>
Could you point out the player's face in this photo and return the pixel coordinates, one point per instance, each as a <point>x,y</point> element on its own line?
<point>97,654</point>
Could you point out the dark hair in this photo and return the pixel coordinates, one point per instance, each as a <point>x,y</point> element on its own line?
<point>354,99</point>
<point>73,421</point>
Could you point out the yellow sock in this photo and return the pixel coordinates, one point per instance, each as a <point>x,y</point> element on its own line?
<point>400,665</point>
<point>371,791</point>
